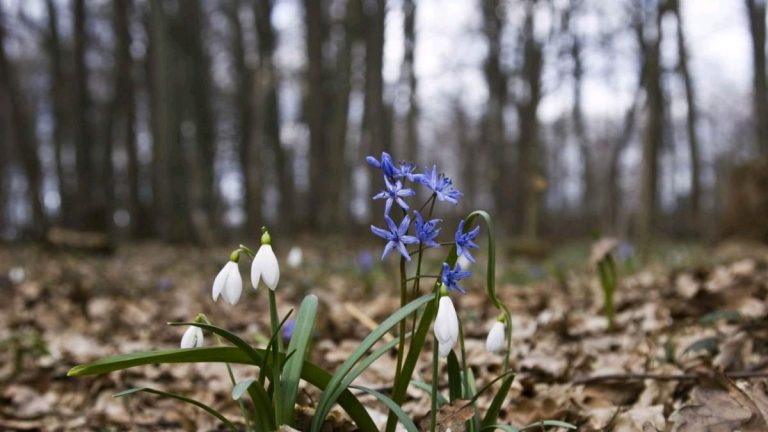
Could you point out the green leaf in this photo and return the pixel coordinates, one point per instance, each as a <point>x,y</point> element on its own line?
<point>421,385</point>
<point>302,335</point>
<point>265,417</point>
<point>310,372</point>
<point>244,346</point>
<point>725,315</point>
<point>196,403</point>
<point>326,399</point>
<point>454,377</point>
<point>550,423</point>
<point>393,407</point>
<point>488,386</point>
<point>493,410</point>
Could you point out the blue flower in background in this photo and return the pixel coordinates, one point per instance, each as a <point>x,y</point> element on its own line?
<point>394,193</point>
<point>464,241</point>
<point>426,231</point>
<point>407,171</point>
<point>451,278</point>
<point>288,329</point>
<point>365,261</point>
<point>385,165</point>
<point>439,184</point>
<point>396,237</point>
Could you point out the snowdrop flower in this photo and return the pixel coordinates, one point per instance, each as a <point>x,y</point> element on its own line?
<point>265,265</point>
<point>446,326</point>
<point>497,340</point>
<point>295,257</point>
<point>228,282</point>
<point>463,262</point>
<point>192,338</point>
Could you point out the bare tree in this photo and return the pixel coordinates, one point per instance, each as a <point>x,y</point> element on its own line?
<point>374,116</point>
<point>756,12</point>
<point>408,76</point>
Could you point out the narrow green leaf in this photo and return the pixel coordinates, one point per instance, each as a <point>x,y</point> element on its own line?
<point>244,346</point>
<point>185,399</point>
<point>421,385</point>
<point>505,428</point>
<point>493,410</point>
<point>310,372</point>
<point>393,407</point>
<point>454,377</point>
<point>488,386</point>
<point>550,423</point>
<point>271,359</point>
<point>326,399</point>
<point>265,417</point>
<point>302,335</point>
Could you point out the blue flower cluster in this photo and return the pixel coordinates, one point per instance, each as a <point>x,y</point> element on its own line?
<point>396,191</point>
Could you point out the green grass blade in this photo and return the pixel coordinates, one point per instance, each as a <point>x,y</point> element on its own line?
<point>493,410</point>
<point>550,423</point>
<point>505,428</point>
<point>326,400</point>
<point>265,418</point>
<point>310,372</point>
<point>185,399</point>
<point>421,385</point>
<point>393,407</point>
<point>454,377</point>
<point>302,335</point>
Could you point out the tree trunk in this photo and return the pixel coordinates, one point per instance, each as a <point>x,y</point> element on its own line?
<point>268,82</point>
<point>692,118</point>
<point>494,130</point>
<point>531,180</point>
<point>22,130</point>
<point>577,115</point>
<point>374,117</point>
<point>756,10</point>
<point>408,76</point>
<point>654,128</point>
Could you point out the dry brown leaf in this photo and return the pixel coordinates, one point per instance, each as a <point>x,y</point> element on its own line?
<point>451,417</point>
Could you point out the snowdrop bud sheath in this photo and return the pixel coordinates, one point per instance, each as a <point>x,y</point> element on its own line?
<point>265,268</point>
<point>446,326</point>
<point>496,341</point>
<point>192,338</point>
<point>228,283</point>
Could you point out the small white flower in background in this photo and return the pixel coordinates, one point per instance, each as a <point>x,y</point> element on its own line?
<point>463,262</point>
<point>295,257</point>
<point>497,341</point>
<point>17,275</point>
<point>265,265</point>
<point>192,338</point>
<point>229,283</point>
<point>446,326</point>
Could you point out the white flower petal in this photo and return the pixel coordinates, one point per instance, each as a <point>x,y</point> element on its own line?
<point>295,257</point>
<point>497,341</point>
<point>265,267</point>
<point>446,326</point>
<point>444,349</point>
<point>233,286</point>
<point>192,338</point>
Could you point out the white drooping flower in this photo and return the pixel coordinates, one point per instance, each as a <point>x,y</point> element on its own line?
<point>265,265</point>
<point>192,338</point>
<point>497,341</point>
<point>446,326</point>
<point>295,257</point>
<point>228,283</point>
<point>463,262</point>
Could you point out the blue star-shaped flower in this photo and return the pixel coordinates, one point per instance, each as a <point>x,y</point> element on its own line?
<point>407,170</point>
<point>394,193</point>
<point>439,184</point>
<point>396,237</point>
<point>451,278</point>
<point>464,241</point>
<point>386,166</point>
<point>426,231</point>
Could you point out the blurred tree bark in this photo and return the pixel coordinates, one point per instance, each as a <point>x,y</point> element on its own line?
<point>756,12</point>
<point>269,126</point>
<point>22,131</point>
<point>531,180</point>
<point>493,119</point>
<point>170,180</point>
<point>374,116</point>
<point>692,115</point>
<point>246,123</point>
<point>471,167</point>
<point>58,97</point>
<point>654,126</point>
<point>408,76</point>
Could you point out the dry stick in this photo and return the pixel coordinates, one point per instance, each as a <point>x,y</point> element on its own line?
<point>664,377</point>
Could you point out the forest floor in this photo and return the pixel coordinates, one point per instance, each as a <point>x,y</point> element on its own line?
<point>688,352</point>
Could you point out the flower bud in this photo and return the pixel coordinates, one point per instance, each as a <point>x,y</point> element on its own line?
<point>228,283</point>
<point>446,326</point>
<point>497,340</point>
<point>192,338</point>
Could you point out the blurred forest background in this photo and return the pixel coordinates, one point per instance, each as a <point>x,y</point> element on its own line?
<point>193,121</point>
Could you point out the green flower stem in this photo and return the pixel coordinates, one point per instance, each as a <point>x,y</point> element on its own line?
<point>435,359</point>
<point>415,289</point>
<point>275,325</point>
<point>203,318</point>
<point>401,328</point>
<point>412,278</point>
